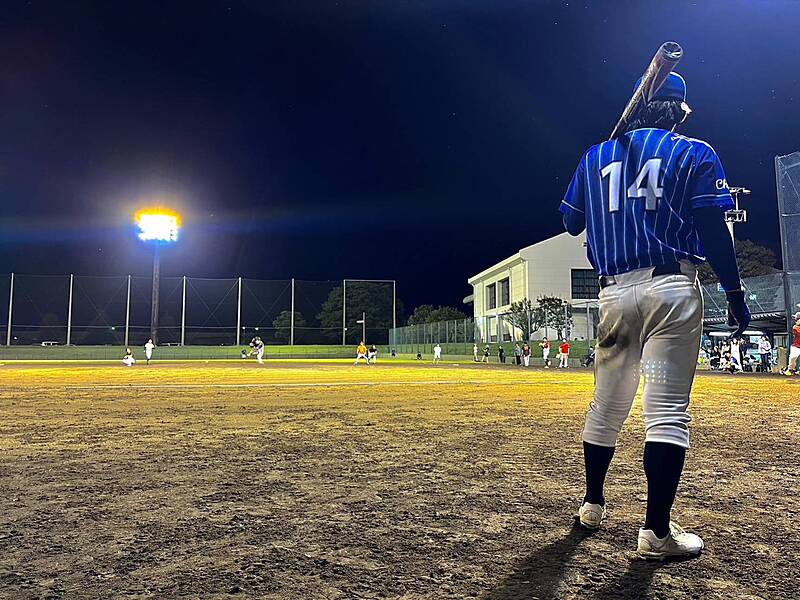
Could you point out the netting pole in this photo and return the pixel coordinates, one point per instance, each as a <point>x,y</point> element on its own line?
<point>239,315</point>
<point>128,311</point>
<point>291,319</point>
<point>588,325</point>
<point>155,296</point>
<point>183,313</point>
<point>344,322</point>
<point>394,313</point>
<point>69,310</point>
<point>10,306</point>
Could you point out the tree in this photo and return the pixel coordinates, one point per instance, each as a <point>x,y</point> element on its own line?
<point>525,317</point>
<point>427,313</point>
<point>753,259</point>
<point>283,326</point>
<point>555,313</point>
<point>374,299</point>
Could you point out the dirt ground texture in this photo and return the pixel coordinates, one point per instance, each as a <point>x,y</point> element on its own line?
<point>304,480</point>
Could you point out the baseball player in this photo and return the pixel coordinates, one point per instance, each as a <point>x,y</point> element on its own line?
<point>372,354</point>
<point>794,349</point>
<point>148,350</point>
<point>545,346</point>
<point>563,355</point>
<point>257,345</point>
<point>652,203</point>
<point>475,352</point>
<point>128,359</point>
<point>361,352</point>
<point>437,354</point>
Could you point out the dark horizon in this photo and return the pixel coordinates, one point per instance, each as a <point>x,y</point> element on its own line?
<point>421,142</point>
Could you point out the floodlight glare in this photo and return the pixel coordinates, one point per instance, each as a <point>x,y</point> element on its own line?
<point>158,226</point>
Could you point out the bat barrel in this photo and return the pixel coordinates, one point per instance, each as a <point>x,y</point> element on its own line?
<point>671,51</point>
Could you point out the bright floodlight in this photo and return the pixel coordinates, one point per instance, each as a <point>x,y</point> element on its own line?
<point>158,226</point>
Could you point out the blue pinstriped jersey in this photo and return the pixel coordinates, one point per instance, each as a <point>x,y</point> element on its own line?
<point>636,194</point>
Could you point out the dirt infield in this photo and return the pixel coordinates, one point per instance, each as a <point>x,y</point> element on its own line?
<point>306,481</point>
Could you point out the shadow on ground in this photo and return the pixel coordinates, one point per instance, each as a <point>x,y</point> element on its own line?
<point>540,574</point>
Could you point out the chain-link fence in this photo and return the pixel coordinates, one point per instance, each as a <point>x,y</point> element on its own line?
<point>86,310</point>
<point>787,176</point>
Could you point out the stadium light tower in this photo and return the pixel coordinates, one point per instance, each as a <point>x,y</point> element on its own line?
<point>158,227</point>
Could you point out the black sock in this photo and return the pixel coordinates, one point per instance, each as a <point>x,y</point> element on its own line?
<point>663,464</point>
<point>597,459</point>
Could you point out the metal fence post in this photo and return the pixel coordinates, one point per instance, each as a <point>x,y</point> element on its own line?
<point>291,321</point>
<point>393,340</point>
<point>69,310</point>
<point>128,311</point>
<point>344,312</point>
<point>239,315</point>
<point>183,313</point>
<point>10,306</point>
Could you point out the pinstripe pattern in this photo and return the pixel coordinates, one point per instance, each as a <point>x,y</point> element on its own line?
<point>690,175</point>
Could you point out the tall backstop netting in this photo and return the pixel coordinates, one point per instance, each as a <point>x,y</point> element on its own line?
<point>116,310</point>
<point>787,178</point>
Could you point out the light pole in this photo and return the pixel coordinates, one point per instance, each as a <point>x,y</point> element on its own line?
<point>736,215</point>
<point>157,226</point>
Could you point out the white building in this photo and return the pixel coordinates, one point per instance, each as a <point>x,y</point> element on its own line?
<point>554,267</point>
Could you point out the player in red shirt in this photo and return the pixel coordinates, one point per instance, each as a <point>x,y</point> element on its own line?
<point>794,349</point>
<point>564,349</point>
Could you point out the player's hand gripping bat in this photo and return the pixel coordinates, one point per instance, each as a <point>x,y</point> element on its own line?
<point>664,61</point>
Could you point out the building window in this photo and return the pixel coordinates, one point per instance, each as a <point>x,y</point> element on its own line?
<point>505,292</point>
<point>491,296</point>
<point>585,284</point>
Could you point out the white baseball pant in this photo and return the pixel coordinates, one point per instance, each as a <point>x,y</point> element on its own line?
<point>648,325</point>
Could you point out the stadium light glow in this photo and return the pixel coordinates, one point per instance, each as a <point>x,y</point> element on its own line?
<point>158,225</point>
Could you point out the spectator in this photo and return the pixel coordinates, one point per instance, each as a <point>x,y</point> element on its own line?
<point>589,358</point>
<point>713,358</point>
<point>736,350</point>
<point>517,354</point>
<point>765,353</point>
<point>563,363</point>
<point>729,364</point>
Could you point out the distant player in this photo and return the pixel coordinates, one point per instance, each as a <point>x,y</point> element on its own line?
<point>526,355</point>
<point>128,359</point>
<point>437,354</point>
<point>475,352</point>
<point>372,354</point>
<point>361,352</point>
<point>486,351</point>
<point>652,203</point>
<point>148,350</point>
<point>794,349</point>
<point>257,345</point>
<point>563,349</point>
<point>545,346</point>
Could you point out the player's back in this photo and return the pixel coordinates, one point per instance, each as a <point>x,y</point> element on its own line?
<point>638,191</point>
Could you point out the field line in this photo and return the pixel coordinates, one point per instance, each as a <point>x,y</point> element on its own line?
<point>310,384</point>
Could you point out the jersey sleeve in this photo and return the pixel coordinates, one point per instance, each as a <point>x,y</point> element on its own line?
<point>574,199</point>
<point>708,186</point>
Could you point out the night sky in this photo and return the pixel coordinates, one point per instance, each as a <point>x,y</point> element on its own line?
<point>416,140</point>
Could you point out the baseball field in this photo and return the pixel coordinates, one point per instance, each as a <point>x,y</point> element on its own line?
<point>305,480</point>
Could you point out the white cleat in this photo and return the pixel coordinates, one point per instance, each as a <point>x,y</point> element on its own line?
<point>677,543</point>
<point>591,516</point>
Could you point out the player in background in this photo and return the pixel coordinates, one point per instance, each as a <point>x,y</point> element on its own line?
<point>148,350</point>
<point>486,351</point>
<point>257,345</point>
<point>361,352</point>
<point>794,349</point>
<point>437,354</point>
<point>526,355</point>
<point>563,355</point>
<point>128,359</point>
<point>652,203</point>
<point>545,346</point>
<point>372,354</point>
<point>475,352</point>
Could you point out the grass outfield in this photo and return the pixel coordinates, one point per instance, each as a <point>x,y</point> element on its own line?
<point>298,480</point>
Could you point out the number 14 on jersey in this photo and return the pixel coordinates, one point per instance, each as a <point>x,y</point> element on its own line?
<point>644,186</point>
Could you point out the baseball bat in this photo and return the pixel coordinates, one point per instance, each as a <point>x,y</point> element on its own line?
<point>666,58</point>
